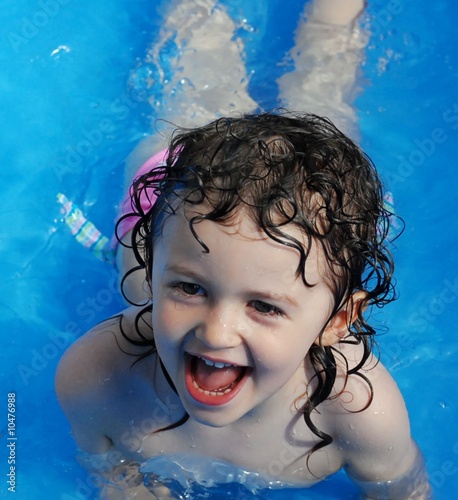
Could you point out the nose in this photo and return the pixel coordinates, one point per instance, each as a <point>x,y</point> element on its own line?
<point>221,329</point>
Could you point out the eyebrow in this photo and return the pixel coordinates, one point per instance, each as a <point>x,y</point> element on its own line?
<point>180,269</point>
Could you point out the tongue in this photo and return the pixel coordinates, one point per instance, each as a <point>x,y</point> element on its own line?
<point>211,378</point>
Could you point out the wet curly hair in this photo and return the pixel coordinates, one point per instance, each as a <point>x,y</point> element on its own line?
<point>283,170</point>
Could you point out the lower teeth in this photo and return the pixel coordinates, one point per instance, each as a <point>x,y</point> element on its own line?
<point>213,393</point>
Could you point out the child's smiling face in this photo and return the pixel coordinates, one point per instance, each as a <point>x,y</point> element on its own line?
<point>243,307</point>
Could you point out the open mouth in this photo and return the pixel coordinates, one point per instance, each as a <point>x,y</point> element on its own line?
<point>213,383</point>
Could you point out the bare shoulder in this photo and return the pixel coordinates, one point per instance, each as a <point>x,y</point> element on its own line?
<point>370,421</point>
<point>102,352</point>
<point>90,374</point>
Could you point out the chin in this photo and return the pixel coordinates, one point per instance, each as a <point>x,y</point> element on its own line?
<point>211,417</point>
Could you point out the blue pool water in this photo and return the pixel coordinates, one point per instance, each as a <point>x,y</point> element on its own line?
<point>69,119</point>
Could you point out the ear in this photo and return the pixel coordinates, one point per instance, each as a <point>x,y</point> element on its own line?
<point>338,327</point>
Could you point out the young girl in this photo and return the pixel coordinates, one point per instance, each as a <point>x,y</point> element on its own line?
<point>263,242</point>
<point>294,406</point>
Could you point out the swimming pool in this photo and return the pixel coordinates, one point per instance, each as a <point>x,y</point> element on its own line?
<point>70,119</point>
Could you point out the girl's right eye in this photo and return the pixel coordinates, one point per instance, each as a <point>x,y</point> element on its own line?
<point>189,288</point>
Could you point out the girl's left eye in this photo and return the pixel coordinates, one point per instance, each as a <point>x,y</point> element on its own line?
<point>266,309</point>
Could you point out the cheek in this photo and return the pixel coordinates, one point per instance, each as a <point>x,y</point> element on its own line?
<point>282,352</point>
<point>169,319</point>
<point>290,344</point>
<point>162,319</point>
<point>167,334</point>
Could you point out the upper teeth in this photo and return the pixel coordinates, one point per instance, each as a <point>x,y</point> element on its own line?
<point>217,364</point>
